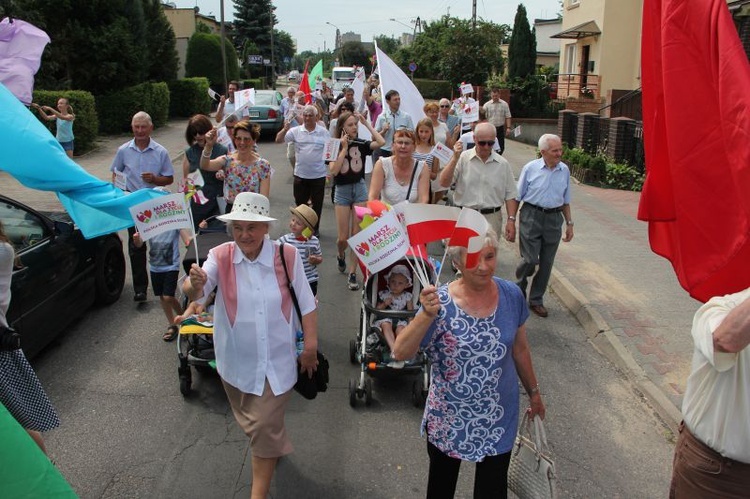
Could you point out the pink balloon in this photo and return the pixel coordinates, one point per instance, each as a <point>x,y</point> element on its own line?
<point>361,211</point>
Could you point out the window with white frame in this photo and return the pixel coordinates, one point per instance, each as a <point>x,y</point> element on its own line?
<point>570,58</point>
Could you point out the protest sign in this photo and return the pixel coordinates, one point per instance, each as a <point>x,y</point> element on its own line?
<point>121,181</point>
<point>442,152</point>
<point>466,89</point>
<point>470,112</point>
<point>331,150</point>
<point>517,131</point>
<point>244,98</point>
<point>161,214</point>
<point>381,244</point>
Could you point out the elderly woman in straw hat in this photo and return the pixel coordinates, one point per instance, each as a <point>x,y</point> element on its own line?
<point>255,342</point>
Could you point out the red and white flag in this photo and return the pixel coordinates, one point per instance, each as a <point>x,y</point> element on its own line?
<point>470,231</point>
<point>429,222</point>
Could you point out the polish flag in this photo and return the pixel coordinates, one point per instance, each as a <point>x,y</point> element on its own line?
<point>471,228</point>
<point>429,222</point>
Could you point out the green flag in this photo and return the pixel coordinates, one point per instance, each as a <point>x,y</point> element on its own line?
<point>316,74</point>
<point>24,469</point>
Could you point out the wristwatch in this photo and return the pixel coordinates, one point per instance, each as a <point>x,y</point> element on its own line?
<point>512,218</point>
<point>569,222</point>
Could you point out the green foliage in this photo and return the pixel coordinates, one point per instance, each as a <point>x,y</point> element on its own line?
<point>256,83</point>
<point>101,45</point>
<point>624,177</point>
<point>450,49</point>
<point>387,44</point>
<point>433,89</point>
<point>189,96</point>
<point>204,59</point>
<point>522,47</point>
<point>529,98</point>
<point>253,21</point>
<point>116,110</point>
<point>160,42</point>
<point>353,54</point>
<point>615,175</point>
<point>86,124</point>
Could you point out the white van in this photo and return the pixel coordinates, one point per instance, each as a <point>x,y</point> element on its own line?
<point>343,74</point>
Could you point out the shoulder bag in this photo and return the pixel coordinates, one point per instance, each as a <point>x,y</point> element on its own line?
<point>531,474</point>
<point>306,386</point>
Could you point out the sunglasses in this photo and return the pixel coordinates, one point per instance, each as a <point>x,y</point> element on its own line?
<point>486,143</point>
<point>444,106</point>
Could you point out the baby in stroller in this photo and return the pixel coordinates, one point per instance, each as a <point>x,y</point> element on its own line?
<point>394,297</point>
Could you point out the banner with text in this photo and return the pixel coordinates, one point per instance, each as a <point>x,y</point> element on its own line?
<point>382,243</point>
<point>160,215</point>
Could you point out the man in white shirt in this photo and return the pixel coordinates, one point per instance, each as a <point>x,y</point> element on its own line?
<point>484,181</point>
<point>390,120</point>
<point>227,106</point>
<point>498,114</point>
<point>310,170</point>
<point>712,455</point>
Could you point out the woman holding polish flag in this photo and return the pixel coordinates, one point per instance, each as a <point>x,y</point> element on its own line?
<point>473,332</point>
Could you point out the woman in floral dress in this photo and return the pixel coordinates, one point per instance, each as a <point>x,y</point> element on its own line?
<point>243,170</point>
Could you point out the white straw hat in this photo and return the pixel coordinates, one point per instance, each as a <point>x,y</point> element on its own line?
<point>249,207</point>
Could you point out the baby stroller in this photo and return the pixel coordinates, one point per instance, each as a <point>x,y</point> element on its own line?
<point>195,345</point>
<point>369,348</point>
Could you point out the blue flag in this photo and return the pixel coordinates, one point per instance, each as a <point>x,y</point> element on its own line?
<point>37,160</point>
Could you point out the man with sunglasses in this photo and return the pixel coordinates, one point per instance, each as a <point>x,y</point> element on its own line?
<point>483,181</point>
<point>544,189</point>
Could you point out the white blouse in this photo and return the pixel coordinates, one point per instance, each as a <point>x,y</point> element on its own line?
<point>261,344</point>
<point>393,192</point>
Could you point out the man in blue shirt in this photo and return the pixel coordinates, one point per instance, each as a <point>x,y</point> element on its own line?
<point>390,120</point>
<point>544,189</point>
<point>145,164</point>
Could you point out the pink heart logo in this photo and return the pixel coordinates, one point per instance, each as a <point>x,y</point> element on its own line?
<point>363,249</point>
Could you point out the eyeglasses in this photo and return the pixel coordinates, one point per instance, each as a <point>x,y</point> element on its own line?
<point>486,143</point>
<point>444,106</point>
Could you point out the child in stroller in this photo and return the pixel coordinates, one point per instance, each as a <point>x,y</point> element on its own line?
<point>394,297</point>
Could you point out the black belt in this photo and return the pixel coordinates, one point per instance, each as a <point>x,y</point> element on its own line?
<point>487,211</point>
<point>543,210</point>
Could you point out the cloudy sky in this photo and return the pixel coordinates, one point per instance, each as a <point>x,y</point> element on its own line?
<point>307,21</point>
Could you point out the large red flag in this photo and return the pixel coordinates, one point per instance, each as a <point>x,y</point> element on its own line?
<point>696,123</point>
<point>304,85</point>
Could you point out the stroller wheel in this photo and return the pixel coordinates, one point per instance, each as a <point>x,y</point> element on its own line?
<point>353,351</point>
<point>352,393</point>
<point>185,383</point>
<point>368,392</point>
<point>418,393</point>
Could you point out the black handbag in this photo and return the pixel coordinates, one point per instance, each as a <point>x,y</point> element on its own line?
<point>306,386</point>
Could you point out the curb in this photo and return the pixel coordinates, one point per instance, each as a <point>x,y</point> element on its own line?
<point>602,337</point>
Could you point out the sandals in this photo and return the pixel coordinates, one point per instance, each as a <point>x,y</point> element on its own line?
<point>171,334</point>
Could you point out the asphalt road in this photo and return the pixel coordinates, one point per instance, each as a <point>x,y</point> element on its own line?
<point>127,432</point>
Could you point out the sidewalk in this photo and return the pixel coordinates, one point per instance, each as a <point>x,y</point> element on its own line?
<point>625,296</point>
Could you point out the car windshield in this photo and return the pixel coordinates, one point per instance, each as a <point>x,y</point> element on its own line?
<point>264,99</point>
<point>343,74</point>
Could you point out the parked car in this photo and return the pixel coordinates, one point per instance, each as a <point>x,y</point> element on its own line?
<point>267,111</point>
<point>58,275</point>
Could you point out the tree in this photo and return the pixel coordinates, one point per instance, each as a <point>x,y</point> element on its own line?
<point>522,47</point>
<point>203,58</point>
<point>160,43</point>
<point>451,49</point>
<point>353,54</point>
<point>283,45</point>
<point>253,20</point>
<point>387,44</point>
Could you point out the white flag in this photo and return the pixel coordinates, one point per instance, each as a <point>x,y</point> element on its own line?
<point>392,78</point>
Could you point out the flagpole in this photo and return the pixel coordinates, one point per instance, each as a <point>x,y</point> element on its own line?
<point>195,235</point>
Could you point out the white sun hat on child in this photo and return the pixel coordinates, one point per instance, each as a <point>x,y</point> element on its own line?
<point>399,269</point>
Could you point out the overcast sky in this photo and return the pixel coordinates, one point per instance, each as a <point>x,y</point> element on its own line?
<point>306,21</point>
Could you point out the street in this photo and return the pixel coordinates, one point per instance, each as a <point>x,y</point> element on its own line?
<point>128,432</point>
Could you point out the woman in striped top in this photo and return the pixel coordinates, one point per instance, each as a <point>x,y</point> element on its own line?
<point>425,142</point>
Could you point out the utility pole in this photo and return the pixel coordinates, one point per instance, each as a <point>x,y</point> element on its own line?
<point>273,63</point>
<point>473,14</point>
<point>223,49</point>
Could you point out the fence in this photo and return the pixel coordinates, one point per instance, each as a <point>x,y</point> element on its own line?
<point>620,139</point>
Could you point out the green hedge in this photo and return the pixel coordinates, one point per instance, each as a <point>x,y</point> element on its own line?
<point>117,109</point>
<point>86,124</point>
<point>189,96</point>
<point>433,89</point>
<point>256,83</point>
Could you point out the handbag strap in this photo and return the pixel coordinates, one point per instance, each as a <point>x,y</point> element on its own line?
<point>411,181</point>
<point>289,283</point>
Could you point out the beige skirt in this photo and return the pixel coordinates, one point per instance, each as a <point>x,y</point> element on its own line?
<point>262,419</point>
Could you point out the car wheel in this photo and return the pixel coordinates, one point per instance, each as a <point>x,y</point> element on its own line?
<point>110,272</point>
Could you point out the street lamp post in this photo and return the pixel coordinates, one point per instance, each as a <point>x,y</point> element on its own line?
<point>336,45</point>
<point>324,41</point>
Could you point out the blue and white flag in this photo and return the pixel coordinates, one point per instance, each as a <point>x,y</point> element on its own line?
<point>36,159</point>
